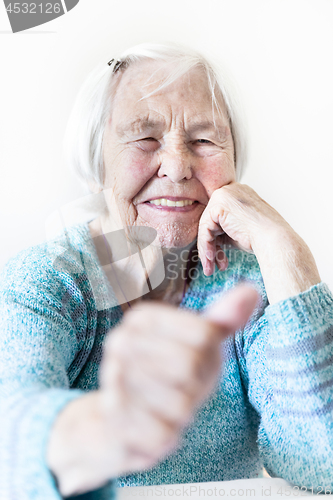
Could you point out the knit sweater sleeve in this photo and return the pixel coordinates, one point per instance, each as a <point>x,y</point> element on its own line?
<point>289,362</point>
<point>44,321</point>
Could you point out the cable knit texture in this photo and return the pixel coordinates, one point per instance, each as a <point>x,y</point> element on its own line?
<point>272,405</point>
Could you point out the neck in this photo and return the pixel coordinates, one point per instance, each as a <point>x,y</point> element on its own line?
<point>175,264</point>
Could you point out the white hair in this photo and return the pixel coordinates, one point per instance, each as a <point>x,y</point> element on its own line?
<point>85,130</point>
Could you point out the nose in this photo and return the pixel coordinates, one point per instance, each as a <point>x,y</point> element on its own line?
<point>175,163</point>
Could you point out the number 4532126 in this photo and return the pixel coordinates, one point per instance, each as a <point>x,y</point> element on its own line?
<point>33,8</point>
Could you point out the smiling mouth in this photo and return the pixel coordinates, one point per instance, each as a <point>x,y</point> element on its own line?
<point>165,202</point>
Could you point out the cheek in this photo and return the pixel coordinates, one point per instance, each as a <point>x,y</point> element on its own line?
<point>140,166</point>
<point>216,174</point>
<point>132,171</point>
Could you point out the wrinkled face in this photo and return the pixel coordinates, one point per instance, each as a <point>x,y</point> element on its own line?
<point>163,155</point>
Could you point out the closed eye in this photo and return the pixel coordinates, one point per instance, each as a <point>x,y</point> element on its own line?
<point>148,144</point>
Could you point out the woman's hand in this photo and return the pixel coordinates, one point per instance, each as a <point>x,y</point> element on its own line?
<point>286,262</point>
<point>157,368</point>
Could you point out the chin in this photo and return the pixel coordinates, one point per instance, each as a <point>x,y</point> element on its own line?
<point>176,237</point>
<point>173,234</point>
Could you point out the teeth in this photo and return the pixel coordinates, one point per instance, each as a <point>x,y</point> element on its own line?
<point>168,203</point>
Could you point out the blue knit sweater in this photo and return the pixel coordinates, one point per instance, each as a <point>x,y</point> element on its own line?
<point>273,405</point>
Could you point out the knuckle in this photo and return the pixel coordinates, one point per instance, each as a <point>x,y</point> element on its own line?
<point>166,432</point>
<point>216,194</point>
<point>198,367</point>
<point>116,343</point>
<point>206,335</point>
<point>133,318</point>
<point>204,224</point>
<point>181,409</point>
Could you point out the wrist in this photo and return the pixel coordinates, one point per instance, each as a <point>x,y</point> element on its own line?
<point>286,262</point>
<point>76,434</point>
<point>271,236</point>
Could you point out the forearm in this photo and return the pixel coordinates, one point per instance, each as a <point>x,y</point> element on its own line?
<point>290,371</point>
<point>78,442</point>
<point>297,405</point>
<point>287,264</point>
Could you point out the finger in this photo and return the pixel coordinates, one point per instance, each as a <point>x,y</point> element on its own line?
<point>162,399</point>
<point>167,360</point>
<point>221,259</point>
<point>146,433</point>
<point>209,230</point>
<point>184,368</point>
<point>233,310</point>
<point>137,462</point>
<point>206,249</point>
<point>158,319</point>
<point>111,379</point>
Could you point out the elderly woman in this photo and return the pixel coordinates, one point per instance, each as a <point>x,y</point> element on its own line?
<point>90,394</point>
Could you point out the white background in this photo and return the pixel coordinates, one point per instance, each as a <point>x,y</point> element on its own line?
<point>279,52</point>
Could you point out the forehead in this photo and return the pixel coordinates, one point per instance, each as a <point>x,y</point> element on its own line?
<point>188,96</point>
